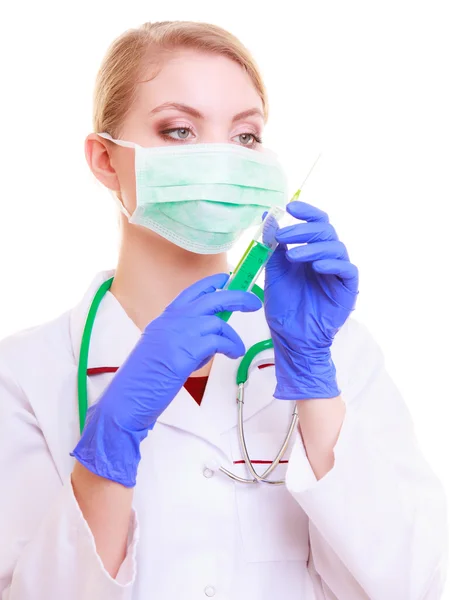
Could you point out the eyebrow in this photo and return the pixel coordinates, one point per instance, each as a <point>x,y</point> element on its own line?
<point>198,115</point>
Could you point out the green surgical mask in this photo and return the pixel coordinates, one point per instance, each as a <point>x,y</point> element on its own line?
<point>203,196</point>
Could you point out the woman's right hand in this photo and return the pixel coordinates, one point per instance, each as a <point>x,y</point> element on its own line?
<point>180,341</point>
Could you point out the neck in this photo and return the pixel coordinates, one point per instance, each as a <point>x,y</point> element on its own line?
<point>151,272</point>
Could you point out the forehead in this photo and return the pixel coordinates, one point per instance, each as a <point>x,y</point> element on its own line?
<point>209,82</point>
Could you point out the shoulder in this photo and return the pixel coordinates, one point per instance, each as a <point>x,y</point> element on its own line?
<point>31,353</point>
<point>48,347</point>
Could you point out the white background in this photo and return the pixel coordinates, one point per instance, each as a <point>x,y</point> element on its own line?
<point>365,83</point>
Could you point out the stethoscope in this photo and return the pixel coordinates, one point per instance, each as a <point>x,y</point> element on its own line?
<point>241,380</point>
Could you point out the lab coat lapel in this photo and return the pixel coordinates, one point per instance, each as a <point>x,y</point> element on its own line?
<point>185,414</point>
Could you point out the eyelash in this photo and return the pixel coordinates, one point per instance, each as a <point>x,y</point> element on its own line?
<point>165,134</point>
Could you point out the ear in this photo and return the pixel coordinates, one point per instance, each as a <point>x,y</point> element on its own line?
<point>97,151</point>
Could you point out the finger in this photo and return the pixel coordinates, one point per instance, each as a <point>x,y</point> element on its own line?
<point>317,251</point>
<point>316,231</point>
<point>306,212</point>
<point>225,300</point>
<point>341,268</point>
<point>216,344</point>
<point>277,265</point>
<point>205,286</point>
<point>213,325</point>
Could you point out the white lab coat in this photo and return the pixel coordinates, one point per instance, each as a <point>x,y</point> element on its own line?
<point>373,527</point>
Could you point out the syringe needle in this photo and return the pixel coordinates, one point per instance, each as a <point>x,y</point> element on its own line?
<point>309,172</point>
<point>297,193</point>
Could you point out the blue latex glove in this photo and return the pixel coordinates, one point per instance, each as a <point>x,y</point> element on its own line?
<point>183,339</point>
<point>310,291</point>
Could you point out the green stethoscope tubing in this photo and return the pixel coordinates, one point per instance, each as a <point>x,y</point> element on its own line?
<point>84,351</point>
<point>241,379</point>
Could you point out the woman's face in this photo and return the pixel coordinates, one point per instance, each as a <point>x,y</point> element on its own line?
<point>195,98</point>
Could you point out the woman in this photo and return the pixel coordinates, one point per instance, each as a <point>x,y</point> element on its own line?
<point>137,506</point>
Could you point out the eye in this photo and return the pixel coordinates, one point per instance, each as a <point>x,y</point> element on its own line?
<point>177,133</point>
<point>248,139</point>
<point>182,133</point>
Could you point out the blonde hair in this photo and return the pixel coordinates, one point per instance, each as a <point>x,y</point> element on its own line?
<point>129,56</point>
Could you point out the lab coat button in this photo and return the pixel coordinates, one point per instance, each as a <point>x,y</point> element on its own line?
<point>210,591</point>
<point>207,473</point>
<point>212,465</point>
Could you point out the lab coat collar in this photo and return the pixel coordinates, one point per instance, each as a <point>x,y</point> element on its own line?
<point>114,336</point>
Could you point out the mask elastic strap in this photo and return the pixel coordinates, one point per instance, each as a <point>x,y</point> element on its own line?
<point>106,136</point>
<point>120,205</point>
<point>123,143</point>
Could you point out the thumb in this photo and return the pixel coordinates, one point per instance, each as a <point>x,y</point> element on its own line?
<point>278,262</point>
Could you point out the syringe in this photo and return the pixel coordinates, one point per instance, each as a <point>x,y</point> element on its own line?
<point>256,255</point>
<point>260,249</point>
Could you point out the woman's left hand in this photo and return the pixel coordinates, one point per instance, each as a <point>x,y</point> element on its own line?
<point>310,291</point>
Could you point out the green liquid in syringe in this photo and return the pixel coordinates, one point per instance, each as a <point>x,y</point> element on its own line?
<point>254,258</point>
